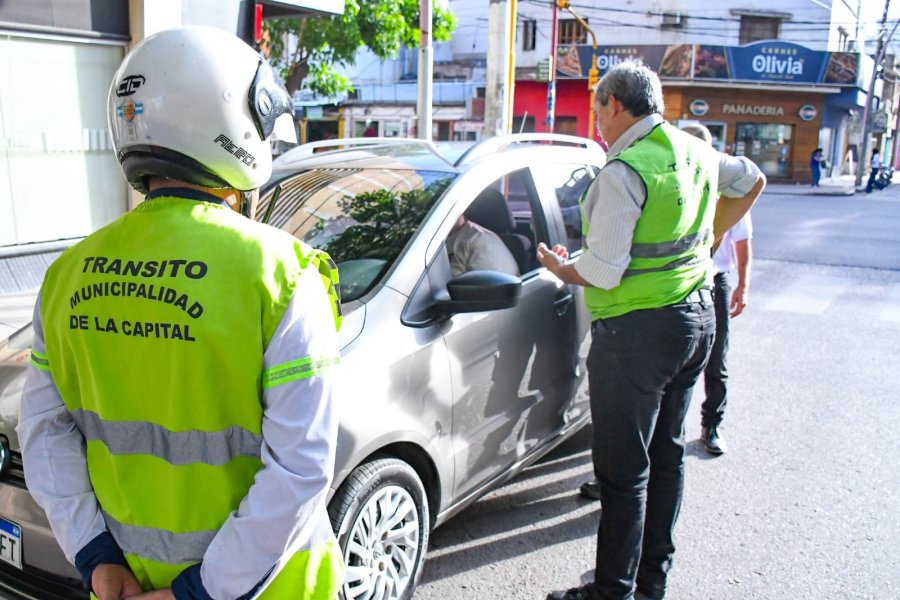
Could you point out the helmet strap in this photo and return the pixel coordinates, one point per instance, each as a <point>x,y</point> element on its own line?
<point>246,203</point>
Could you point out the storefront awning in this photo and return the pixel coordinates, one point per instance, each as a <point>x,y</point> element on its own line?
<point>277,9</point>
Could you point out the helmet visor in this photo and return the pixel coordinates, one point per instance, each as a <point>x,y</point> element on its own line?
<point>271,105</point>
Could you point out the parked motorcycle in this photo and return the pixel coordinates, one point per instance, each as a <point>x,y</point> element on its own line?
<point>884,177</point>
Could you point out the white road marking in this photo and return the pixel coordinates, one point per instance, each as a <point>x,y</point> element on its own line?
<point>811,294</point>
<point>890,309</point>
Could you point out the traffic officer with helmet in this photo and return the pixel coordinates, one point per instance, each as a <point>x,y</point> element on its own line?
<point>178,423</point>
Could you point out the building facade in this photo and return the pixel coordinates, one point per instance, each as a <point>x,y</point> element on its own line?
<point>59,179</point>
<point>772,82</point>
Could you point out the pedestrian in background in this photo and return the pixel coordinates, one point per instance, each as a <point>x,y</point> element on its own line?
<point>816,162</point>
<point>651,218</point>
<point>177,424</point>
<point>874,169</point>
<point>734,250</point>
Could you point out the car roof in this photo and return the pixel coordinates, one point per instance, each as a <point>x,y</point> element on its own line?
<point>413,154</point>
<point>362,153</point>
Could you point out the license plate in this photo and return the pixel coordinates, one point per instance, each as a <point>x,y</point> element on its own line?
<point>10,543</point>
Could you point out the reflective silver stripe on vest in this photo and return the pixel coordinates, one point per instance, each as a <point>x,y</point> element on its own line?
<point>158,544</point>
<point>675,247</point>
<point>681,262</point>
<point>175,447</point>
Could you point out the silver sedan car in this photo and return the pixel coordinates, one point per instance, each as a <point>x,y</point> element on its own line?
<point>452,384</point>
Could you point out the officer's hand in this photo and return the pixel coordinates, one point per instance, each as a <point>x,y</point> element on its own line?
<point>112,582</point>
<point>551,258</point>
<point>164,594</point>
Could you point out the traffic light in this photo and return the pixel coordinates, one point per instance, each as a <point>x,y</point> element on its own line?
<point>593,76</point>
<point>258,23</point>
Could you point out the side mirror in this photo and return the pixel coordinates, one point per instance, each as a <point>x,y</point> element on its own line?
<point>480,291</point>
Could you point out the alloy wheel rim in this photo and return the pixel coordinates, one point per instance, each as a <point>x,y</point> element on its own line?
<point>382,547</point>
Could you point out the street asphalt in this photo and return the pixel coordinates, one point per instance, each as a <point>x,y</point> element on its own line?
<point>806,503</point>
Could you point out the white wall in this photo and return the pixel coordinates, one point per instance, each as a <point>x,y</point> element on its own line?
<point>216,13</point>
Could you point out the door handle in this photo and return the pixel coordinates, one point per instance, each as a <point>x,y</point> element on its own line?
<point>562,302</point>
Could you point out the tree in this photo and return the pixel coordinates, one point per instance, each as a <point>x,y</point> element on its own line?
<point>310,48</point>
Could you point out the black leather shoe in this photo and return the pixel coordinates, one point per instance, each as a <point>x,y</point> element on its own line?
<point>590,490</point>
<point>579,593</point>
<point>713,441</point>
<point>639,595</point>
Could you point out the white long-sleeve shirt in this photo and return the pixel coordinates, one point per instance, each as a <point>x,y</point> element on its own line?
<point>284,510</point>
<point>615,200</point>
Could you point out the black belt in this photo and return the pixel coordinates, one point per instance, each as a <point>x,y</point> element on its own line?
<point>702,296</point>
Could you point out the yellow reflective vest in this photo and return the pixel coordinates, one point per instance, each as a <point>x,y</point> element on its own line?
<point>670,249</point>
<point>155,329</point>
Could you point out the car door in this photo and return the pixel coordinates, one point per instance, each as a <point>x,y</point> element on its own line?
<point>510,369</point>
<point>561,186</point>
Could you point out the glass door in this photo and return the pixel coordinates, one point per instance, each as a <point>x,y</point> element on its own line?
<point>768,145</point>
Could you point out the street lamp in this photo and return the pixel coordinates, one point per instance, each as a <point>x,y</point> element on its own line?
<point>594,73</point>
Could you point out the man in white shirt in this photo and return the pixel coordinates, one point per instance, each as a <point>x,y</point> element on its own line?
<point>735,250</point>
<point>472,247</point>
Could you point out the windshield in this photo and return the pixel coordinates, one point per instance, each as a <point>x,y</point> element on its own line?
<point>363,217</point>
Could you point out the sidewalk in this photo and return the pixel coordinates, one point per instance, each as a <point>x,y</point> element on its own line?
<point>842,185</point>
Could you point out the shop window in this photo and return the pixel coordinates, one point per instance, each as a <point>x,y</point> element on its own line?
<point>768,145</point>
<point>571,31</point>
<point>529,34</point>
<point>442,131</point>
<point>523,125</point>
<point>565,125</point>
<point>367,128</point>
<point>59,177</point>
<point>754,29</point>
<point>465,136</point>
<point>393,129</point>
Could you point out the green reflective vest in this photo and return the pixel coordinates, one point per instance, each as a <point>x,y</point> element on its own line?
<point>194,291</point>
<point>670,250</point>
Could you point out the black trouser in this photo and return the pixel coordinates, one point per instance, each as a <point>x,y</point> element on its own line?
<point>872,176</point>
<point>715,376</point>
<point>642,367</point>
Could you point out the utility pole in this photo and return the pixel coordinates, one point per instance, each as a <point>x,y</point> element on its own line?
<point>511,66</point>
<point>496,115</point>
<point>425,91</point>
<point>551,85</point>
<point>869,109</point>
<point>594,73</point>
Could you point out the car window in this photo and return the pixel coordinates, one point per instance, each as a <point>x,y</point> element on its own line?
<point>363,218</point>
<point>569,182</point>
<point>510,208</point>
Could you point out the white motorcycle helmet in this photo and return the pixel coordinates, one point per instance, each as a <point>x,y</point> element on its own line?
<point>199,105</point>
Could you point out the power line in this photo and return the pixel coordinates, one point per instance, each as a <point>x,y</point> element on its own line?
<point>587,8</point>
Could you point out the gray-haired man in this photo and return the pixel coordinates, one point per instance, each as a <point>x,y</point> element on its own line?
<point>651,221</point>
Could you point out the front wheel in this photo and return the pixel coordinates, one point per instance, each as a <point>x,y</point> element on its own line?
<point>380,516</point>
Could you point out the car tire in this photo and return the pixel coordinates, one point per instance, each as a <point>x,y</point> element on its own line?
<point>381,519</point>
